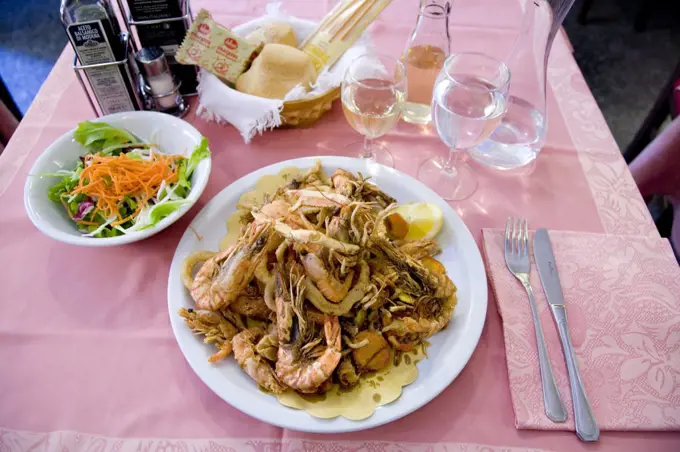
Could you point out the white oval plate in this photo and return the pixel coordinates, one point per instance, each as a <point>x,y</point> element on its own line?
<point>173,135</point>
<point>450,350</point>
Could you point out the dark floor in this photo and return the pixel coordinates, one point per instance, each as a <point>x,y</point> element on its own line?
<point>31,39</point>
<point>624,68</point>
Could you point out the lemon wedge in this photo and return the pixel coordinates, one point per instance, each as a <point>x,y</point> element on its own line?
<point>424,219</point>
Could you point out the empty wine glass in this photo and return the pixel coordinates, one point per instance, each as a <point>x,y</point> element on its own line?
<point>373,95</point>
<point>468,102</point>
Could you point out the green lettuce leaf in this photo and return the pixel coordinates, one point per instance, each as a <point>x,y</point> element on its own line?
<point>160,211</point>
<point>108,232</point>
<point>187,166</point>
<point>63,186</point>
<point>200,152</point>
<point>183,183</point>
<point>97,136</point>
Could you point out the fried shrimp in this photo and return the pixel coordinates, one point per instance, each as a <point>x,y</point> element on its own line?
<point>319,289</point>
<point>331,288</point>
<point>222,278</point>
<point>216,329</point>
<point>307,375</point>
<point>256,366</point>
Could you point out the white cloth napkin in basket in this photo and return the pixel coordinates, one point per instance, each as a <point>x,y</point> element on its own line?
<point>251,114</point>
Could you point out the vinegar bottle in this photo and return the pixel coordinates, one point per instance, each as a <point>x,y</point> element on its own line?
<point>93,30</point>
<point>424,56</point>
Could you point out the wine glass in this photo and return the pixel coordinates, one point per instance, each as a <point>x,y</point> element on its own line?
<point>468,102</point>
<point>373,95</point>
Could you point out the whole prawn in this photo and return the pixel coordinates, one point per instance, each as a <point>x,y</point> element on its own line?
<point>245,352</point>
<point>309,375</point>
<point>216,329</point>
<point>425,327</point>
<point>222,278</point>
<point>330,287</point>
<point>294,334</point>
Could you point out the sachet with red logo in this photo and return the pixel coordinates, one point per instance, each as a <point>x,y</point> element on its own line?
<point>216,49</point>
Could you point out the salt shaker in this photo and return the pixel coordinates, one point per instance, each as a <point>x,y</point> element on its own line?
<point>158,84</point>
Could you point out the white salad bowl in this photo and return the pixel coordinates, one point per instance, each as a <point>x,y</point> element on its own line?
<point>171,134</point>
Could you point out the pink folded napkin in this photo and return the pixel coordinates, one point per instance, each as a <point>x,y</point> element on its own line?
<point>623,302</point>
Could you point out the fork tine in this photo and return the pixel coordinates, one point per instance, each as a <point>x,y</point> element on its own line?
<point>525,237</point>
<point>512,236</point>
<point>515,236</point>
<point>520,236</point>
<point>508,236</point>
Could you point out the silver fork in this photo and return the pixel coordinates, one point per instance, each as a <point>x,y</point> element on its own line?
<point>518,262</point>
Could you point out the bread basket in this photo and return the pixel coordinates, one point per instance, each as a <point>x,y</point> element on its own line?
<point>302,112</point>
<point>254,115</point>
<point>305,112</point>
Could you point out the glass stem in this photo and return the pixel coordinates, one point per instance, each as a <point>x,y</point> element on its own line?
<point>367,152</point>
<point>449,162</point>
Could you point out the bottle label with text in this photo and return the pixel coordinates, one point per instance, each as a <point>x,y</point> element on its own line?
<point>92,46</point>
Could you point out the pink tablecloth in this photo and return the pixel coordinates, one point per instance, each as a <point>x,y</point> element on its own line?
<point>87,357</point>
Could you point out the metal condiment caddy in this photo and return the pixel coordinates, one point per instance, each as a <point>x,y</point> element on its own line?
<point>159,88</point>
<point>133,25</point>
<point>128,65</point>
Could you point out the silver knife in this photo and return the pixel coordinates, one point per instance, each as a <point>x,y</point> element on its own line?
<point>586,426</point>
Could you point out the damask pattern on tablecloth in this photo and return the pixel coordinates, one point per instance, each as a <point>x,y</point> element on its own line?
<point>619,203</point>
<point>18,441</point>
<point>623,299</point>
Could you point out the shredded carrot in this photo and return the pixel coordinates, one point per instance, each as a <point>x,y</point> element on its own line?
<point>110,179</point>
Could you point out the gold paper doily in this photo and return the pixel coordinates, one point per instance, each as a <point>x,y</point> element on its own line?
<point>361,401</point>
<point>372,391</point>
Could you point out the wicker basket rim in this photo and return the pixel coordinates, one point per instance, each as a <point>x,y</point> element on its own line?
<point>313,98</point>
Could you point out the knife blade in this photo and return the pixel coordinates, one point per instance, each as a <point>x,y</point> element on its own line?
<point>584,420</point>
<point>547,269</point>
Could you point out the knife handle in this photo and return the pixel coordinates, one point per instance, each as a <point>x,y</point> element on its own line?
<point>586,426</point>
<point>552,400</point>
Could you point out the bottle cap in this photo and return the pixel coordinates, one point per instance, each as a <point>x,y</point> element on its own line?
<point>151,61</point>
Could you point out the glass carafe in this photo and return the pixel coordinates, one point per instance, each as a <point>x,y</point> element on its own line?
<point>425,52</point>
<point>521,134</point>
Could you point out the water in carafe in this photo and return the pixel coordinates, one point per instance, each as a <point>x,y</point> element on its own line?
<point>521,134</point>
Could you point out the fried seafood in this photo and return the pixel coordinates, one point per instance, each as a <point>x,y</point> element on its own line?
<point>304,372</point>
<point>329,286</point>
<point>374,353</point>
<point>320,288</point>
<point>252,306</point>
<point>216,329</point>
<point>420,249</point>
<point>222,277</point>
<point>195,258</point>
<point>255,365</point>
<point>268,347</point>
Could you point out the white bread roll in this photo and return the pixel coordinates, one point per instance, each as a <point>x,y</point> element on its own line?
<point>273,33</point>
<point>275,71</point>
